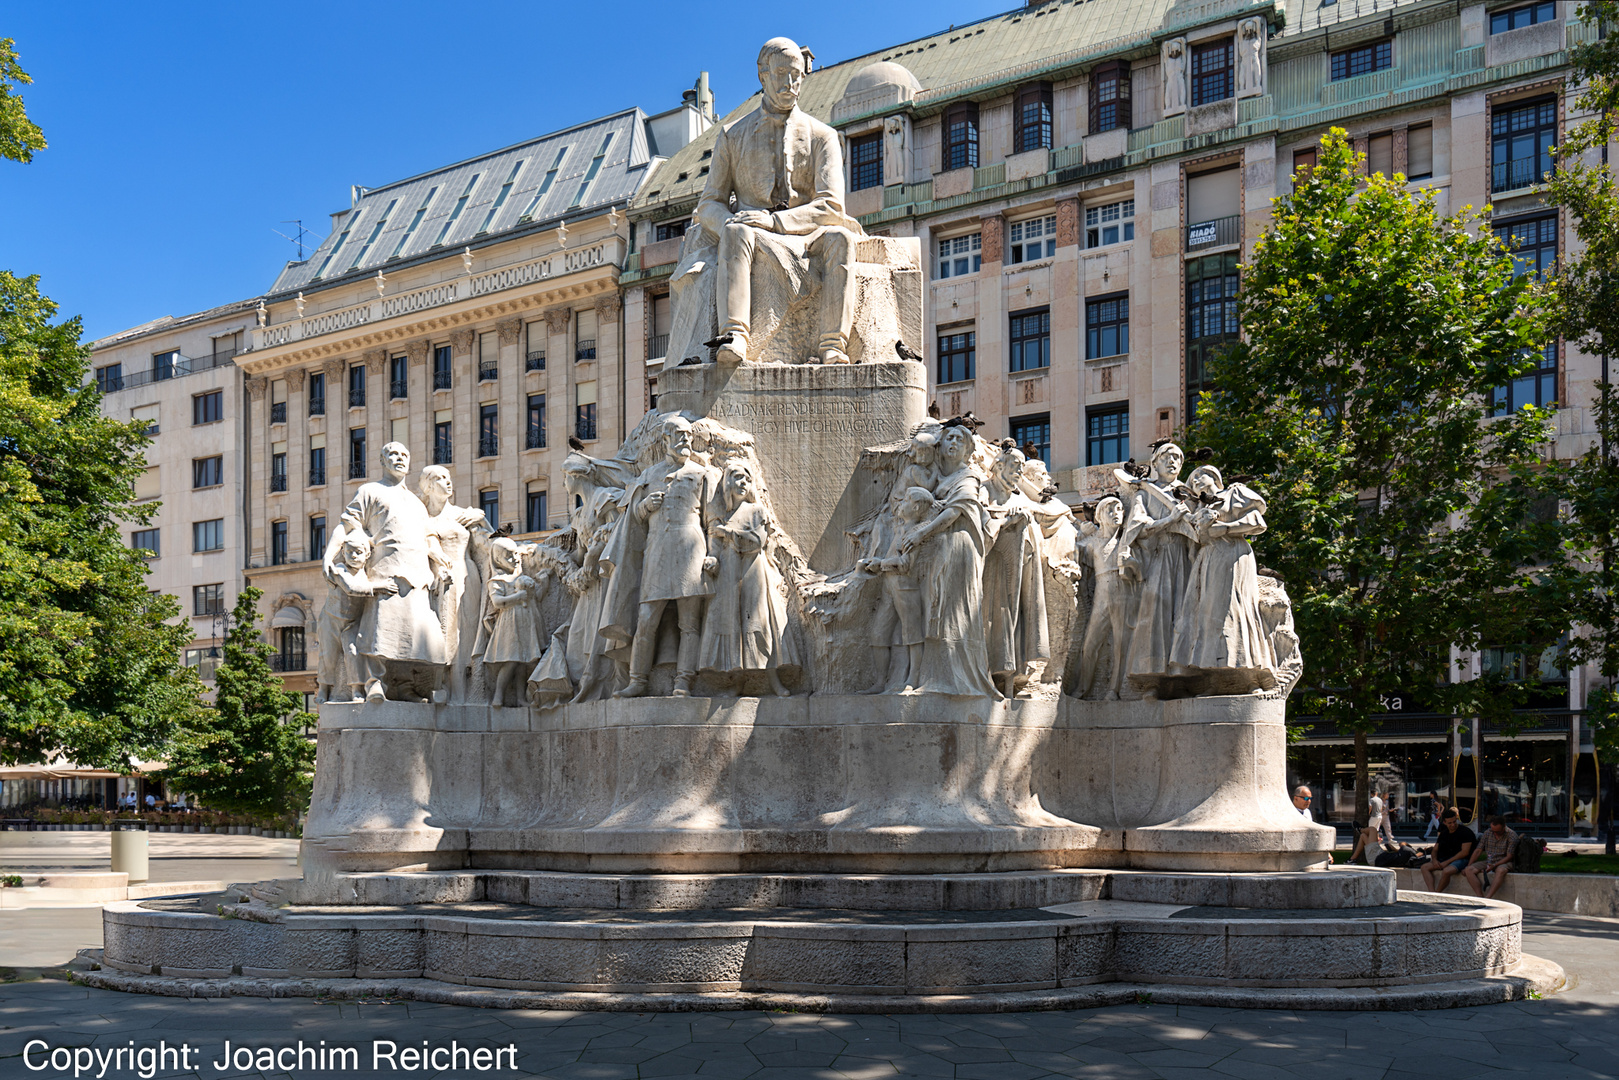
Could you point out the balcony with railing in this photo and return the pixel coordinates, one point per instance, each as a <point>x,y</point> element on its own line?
<point>356,470</point>
<point>398,388</point>
<point>488,445</point>
<point>289,662</point>
<point>441,454</point>
<point>317,406</point>
<point>535,361</point>
<point>657,346</point>
<point>278,412</point>
<point>356,397</point>
<point>1216,233</point>
<point>487,372</point>
<point>585,427</point>
<point>178,368</point>
<point>317,477</point>
<point>441,380</point>
<point>585,349</point>
<point>278,481</point>
<point>536,437</point>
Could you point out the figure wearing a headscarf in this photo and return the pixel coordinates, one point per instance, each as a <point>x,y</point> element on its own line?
<point>1157,533</point>
<point>1221,625</point>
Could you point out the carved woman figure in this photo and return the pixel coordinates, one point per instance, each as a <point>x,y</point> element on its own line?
<point>1251,57</point>
<point>1221,625</point>
<point>746,627</point>
<point>1112,603</point>
<point>461,533</point>
<point>1014,579</point>
<point>511,618</point>
<point>596,487</point>
<point>955,659</point>
<point>1157,532</point>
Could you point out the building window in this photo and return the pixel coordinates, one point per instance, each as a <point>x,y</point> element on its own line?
<point>1533,244</point>
<point>1211,318</point>
<point>595,167</point>
<point>536,347</point>
<point>500,199</point>
<point>443,439</point>
<point>278,401</point>
<point>317,460</point>
<point>146,540</point>
<point>536,423</point>
<point>208,535</point>
<point>1033,433</point>
<point>1522,137</point>
<point>668,230</point>
<point>1419,152</point>
<point>148,414</point>
<point>1107,435</point>
<point>376,231</point>
<point>1303,162</point>
<point>545,186</point>
<point>317,393</point>
<point>1211,72</point>
<point>110,378</point>
<point>866,162</point>
<point>1031,340</point>
<point>398,380</point>
<point>278,543</point>
<point>535,511</point>
<point>317,537</point>
<point>1362,59</point>
<point>1033,130</point>
<point>278,467</point>
<point>356,453</point>
<point>443,361</point>
<point>356,385</point>
<point>208,408</point>
<point>415,220</point>
<point>489,503</point>
<point>1110,224</point>
<point>957,356</point>
<point>163,364</point>
<point>290,653</point>
<point>488,357</point>
<point>1110,97</point>
<point>1107,326</point>
<point>455,211</point>
<point>961,137</point>
<point>960,255</point>
<point>1537,387</point>
<point>205,664</point>
<point>584,415</point>
<point>584,336</point>
<point>1519,17</point>
<point>208,471</point>
<point>208,599</point>
<point>488,430</point>
<point>1032,239</point>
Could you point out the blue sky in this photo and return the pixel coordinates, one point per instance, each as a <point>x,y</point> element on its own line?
<point>182,134</point>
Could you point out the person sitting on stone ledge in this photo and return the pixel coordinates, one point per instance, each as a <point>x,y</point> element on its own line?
<point>1492,858</point>
<point>1450,854</point>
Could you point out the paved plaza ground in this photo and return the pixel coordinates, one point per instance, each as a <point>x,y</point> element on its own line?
<point>1572,1034</point>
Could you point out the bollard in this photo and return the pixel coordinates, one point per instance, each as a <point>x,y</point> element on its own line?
<point>129,849</point>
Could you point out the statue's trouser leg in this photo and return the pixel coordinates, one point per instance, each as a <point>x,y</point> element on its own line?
<point>690,613</point>
<point>643,650</point>
<point>834,249</point>
<point>736,278</point>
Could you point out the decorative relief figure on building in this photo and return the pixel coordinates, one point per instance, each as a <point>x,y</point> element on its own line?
<point>896,150</point>
<point>1174,65</point>
<point>1251,35</point>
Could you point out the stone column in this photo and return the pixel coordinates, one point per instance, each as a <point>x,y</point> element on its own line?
<point>421,401</point>
<point>258,473</point>
<point>464,421</point>
<point>297,498</point>
<point>376,408</point>
<point>559,361</point>
<point>611,378</point>
<point>337,441</point>
<point>1067,338</point>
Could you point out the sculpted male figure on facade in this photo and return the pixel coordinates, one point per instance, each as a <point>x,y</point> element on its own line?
<point>784,168</point>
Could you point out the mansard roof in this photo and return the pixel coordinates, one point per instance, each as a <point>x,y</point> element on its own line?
<point>551,180</point>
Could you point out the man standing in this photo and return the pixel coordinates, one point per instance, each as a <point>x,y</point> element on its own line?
<point>1302,798</point>
<point>1450,854</point>
<point>1495,852</point>
<point>784,169</point>
<point>675,498</point>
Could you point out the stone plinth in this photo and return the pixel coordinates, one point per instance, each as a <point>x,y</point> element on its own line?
<point>811,423</point>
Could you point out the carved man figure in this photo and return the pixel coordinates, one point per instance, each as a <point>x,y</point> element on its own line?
<point>1174,65</point>
<point>1251,57</point>
<point>676,500</point>
<point>784,168</point>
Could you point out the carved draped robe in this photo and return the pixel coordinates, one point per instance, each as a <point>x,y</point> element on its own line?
<point>403,627</point>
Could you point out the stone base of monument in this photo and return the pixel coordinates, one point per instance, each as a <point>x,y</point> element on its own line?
<point>1055,939</point>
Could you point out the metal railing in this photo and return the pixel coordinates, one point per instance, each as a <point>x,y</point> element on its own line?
<point>284,662</point>
<point>486,372</point>
<point>536,361</point>
<point>1515,173</point>
<point>399,388</point>
<point>1215,233</point>
<point>178,368</point>
<point>585,349</point>
<point>441,380</point>
<point>657,346</point>
<point>278,481</point>
<point>488,445</point>
<point>441,454</point>
<point>317,477</point>
<point>585,427</point>
<point>356,396</point>
<point>317,406</point>
<point>536,437</point>
<point>356,470</point>
<point>278,412</point>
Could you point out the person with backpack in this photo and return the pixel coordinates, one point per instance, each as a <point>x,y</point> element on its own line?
<point>1493,855</point>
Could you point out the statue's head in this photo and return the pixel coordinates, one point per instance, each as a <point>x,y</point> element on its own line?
<point>1009,465</point>
<point>782,66</point>
<point>741,485</point>
<point>435,482</point>
<point>1110,514</point>
<point>677,436</point>
<point>917,504</point>
<point>503,553</point>
<point>356,550</point>
<point>396,460</point>
<point>956,443</point>
<point>1205,480</point>
<point>924,440</point>
<point>1167,459</point>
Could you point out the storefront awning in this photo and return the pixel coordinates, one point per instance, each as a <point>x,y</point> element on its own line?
<point>288,615</point>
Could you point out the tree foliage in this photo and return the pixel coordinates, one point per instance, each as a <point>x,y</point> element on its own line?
<point>19,136</point>
<point>88,664</point>
<point>1376,330</point>
<point>247,753</point>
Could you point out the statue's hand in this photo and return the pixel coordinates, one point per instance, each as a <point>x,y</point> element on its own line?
<point>711,565</point>
<point>653,503</point>
<point>759,219</point>
<point>385,587</point>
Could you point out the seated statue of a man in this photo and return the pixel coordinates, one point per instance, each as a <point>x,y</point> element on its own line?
<point>784,169</point>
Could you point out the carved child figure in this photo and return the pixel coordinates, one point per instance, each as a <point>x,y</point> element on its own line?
<point>1113,600</point>
<point>512,618</point>
<point>340,620</point>
<point>901,603</point>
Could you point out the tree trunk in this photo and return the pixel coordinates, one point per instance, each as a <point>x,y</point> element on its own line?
<point>1363,781</point>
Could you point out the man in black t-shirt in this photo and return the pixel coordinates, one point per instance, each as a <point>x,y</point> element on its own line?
<point>1450,854</point>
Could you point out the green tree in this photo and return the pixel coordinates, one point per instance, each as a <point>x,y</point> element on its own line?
<point>247,753</point>
<point>1400,514</point>
<point>19,136</point>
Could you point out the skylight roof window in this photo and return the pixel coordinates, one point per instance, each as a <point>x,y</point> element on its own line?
<point>545,185</point>
<point>410,230</point>
<point>376,231</point>
<point>500,200</point>
<point>353,219</point>
<point>460,205</point>
<point>595,167</point>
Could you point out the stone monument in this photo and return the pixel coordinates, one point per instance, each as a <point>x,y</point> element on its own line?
<point>803,646</point>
